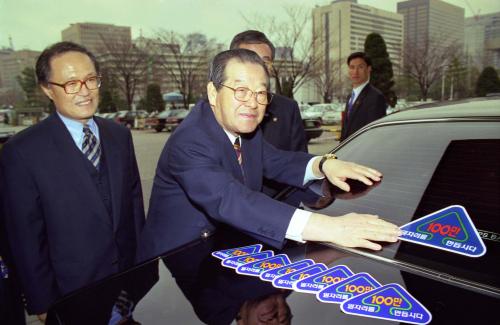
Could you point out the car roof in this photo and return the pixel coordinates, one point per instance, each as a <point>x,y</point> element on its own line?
<point>466,108</point>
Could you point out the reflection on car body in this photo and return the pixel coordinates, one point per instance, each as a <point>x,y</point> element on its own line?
<point>430,158</point>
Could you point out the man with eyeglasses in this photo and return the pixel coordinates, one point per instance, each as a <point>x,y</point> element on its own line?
<point>211,168</point>
<point>70,186</point>
<point>282,124</point>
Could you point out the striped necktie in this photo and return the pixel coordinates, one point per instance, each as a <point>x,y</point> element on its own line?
<point>237,149</point>
<point>90,146</point>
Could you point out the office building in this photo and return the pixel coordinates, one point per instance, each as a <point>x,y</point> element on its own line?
<point>482,40</point>
<point>96,37</point>
<point>432,22</point>
<point>340,28</point>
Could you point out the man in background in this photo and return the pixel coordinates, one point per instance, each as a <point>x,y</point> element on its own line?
<point>366,103</point>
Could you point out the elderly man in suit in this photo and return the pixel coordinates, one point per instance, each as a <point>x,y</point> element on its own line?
<point>210,173</point>
<point>70,186</point>
<point>366,103</point>
<point>282,124</point>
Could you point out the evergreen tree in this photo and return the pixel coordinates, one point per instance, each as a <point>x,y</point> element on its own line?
<point>487,82</point>
<point>154,99</point>
<point>382,76</point>
<point>109,94</point>
<point>106,103</point>
<point>34,96</point>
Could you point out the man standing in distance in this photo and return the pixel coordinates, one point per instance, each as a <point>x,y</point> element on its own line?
<point>70,186</point>
<point>282,124</point>
<point>210,173</point>
<point>366,103</point>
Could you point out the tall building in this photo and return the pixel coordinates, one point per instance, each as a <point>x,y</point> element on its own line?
<point>93,35</point>
<point>12,63</point>
<point>432,21</point>
<point>482,40</point>
<point>340,28</point>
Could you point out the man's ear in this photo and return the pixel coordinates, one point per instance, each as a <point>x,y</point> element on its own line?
<point>212,93</point>
<point>47,91</point>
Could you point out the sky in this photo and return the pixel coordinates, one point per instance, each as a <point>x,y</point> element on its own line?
<point>35,24</point>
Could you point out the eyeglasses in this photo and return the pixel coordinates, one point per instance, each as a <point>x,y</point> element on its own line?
<point>243,94</point>
<point>74,86</point>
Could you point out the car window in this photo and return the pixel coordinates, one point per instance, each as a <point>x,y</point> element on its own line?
<point>427,167</point>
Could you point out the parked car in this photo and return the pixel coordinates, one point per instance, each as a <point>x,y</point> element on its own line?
<point>174,119</point>
<point>332,117</point>
<point>431,158</point>
<point>312,113</point>
<point>131,119</point>
<point>168,120</point>
<point>151,120</point>
<point>312,126</point>
<point>111,116</point>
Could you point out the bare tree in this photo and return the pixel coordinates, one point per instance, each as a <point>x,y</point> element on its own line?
<point>425,62</point>
<point>326,78</point>
<point>294,62</point>
<point>185,60</point>
<point>8,96</point>
<point>127,63</point>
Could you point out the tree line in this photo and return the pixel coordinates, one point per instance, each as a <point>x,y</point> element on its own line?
<point>178,62</point>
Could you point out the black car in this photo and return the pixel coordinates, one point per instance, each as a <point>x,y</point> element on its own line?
<point>431,158</point>
<point>168,120</point>
<point>313,129</point>
<point>131,119</point>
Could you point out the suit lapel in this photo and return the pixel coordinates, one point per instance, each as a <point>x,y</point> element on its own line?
<point>229,159</point>
<point>70,160</point>
<point>249,153</point>
<point>356,106</point>
<point>115,166</point>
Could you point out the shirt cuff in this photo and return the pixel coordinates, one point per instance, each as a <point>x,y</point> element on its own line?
<point>309,175</point>
<point>297,224</point>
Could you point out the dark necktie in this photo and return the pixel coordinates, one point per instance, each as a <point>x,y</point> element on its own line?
<point>237,149</point>
<point>90,146</point>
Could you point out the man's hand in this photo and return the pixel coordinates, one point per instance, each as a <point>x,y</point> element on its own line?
<point>338,171</point>
<point>350,230</point>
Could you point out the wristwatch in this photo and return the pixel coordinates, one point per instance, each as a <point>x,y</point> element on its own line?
<point>325,158</point>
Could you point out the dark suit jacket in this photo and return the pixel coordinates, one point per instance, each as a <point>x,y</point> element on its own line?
<point>283,128</point>
<point>368,107</point>
<point>282,125</point>
<point>199,184</point>
<point>59,230</point>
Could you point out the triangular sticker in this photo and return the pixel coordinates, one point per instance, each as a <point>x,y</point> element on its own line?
<point>257,267</point>
<point>346,289</point>
<point>323,279</point>
<point>450,229</point>
<point>274,273</point>
<point>235,261</point>
<point>391,302</point>
<point>238,251</point>
<point>286,281</point>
